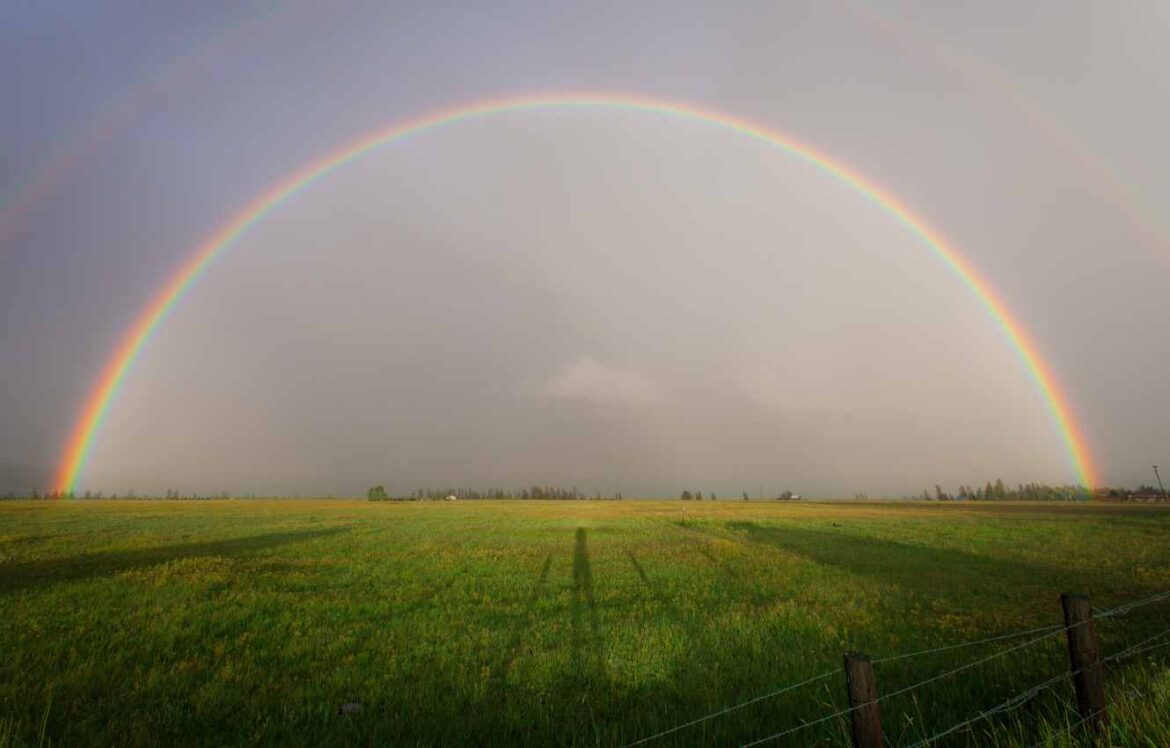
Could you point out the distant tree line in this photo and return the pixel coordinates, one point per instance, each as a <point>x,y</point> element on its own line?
<point>534,492</point>
<point>698,496</point>
<point>1141,493</point>
<point>168,495</point>
<point>996,491</point>
<point>782,496</point>
<point>999,492</point>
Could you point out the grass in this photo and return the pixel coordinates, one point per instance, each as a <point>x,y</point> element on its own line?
<point>565,623</point>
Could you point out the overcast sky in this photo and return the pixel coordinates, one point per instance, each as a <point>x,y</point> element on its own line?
<point>619,300</point>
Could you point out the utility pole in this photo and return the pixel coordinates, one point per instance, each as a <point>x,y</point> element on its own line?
<point>1160,486</point>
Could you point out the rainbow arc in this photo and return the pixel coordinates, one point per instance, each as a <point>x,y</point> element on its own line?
<point>88,424</point>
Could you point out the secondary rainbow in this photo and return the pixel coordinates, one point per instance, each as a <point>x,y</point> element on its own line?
<point>89,421</point>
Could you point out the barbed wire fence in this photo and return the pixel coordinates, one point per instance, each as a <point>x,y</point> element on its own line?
<point>829,674</point>
<point>1021,698</point>
<point>1133,651</point>
<point>1016,701</point>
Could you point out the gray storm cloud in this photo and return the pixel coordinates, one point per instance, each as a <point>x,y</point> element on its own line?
<point>591,382</point>
<point>621,301</point>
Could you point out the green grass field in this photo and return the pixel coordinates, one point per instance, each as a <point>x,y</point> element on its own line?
<point>564,623</point>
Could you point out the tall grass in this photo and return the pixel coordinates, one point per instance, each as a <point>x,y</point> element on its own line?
<point>563,623</point>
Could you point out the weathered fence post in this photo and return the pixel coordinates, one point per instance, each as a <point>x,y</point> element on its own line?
<point>1088,668</point>
<point>867,719</point>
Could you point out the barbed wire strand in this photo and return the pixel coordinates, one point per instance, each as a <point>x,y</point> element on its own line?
<point>1014,702</point>
<point>1147,649</point>
<point>1106,613</point>
<point>1045,630</point>
<point>1140,647</point>
<point>1119,610</point>
<point>721,712</point>
<point>1020,698</point>
<point>822,676</point>
<point>1127,607</point>
<point>907,689</point>
<point>1130,652</point>
<point>1049,629</point>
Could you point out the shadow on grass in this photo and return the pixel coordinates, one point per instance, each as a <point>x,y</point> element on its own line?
<point>720,669</point>
<point>582,571</point>
<point>498,666</point>
<point>425,598</point>
<point>937,572</point>
<point>585,640</point>
<point>47,572</point>
<point>22,539</point>
<point>540,585</point>
<point>663,600</point>
<point>440,698</point>
<point>639,569</point>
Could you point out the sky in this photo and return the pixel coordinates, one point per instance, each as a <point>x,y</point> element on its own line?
<point>618,300</point>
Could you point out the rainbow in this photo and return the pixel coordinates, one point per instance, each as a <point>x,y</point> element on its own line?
<point>89,421</point>
<point>84,145</point>
<point>1103,174</point>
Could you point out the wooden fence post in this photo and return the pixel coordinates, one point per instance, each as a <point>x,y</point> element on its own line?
<point>1085,656</point>
<point>867,719</point>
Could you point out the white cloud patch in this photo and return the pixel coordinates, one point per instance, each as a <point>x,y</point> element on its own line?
<point>590,381</point>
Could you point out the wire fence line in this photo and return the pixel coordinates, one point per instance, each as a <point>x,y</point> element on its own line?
<point>721,712</point>
<point>1044,631</point>
<point>1117,611</point>
<point>1140,647</point>
<point>1021,698</point>
<point>1124,608</point>
<point>908,689</point>
<point>1015,702</point>
<point>822,676</point>
<point>1130,652</point>
<point>1147,649</point>
<point>962,645</point>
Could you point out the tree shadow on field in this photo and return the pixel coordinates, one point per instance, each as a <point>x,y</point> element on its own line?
<point>47,572</point>
<point>499,665</point>
<point>15,540</point>
<point>493,718</point>
<point>664,601</point>
<point>718,666</point>
<point>540,585</point>
<point>583,605</point>
<point>638,567</point>
<point>936,572</point>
